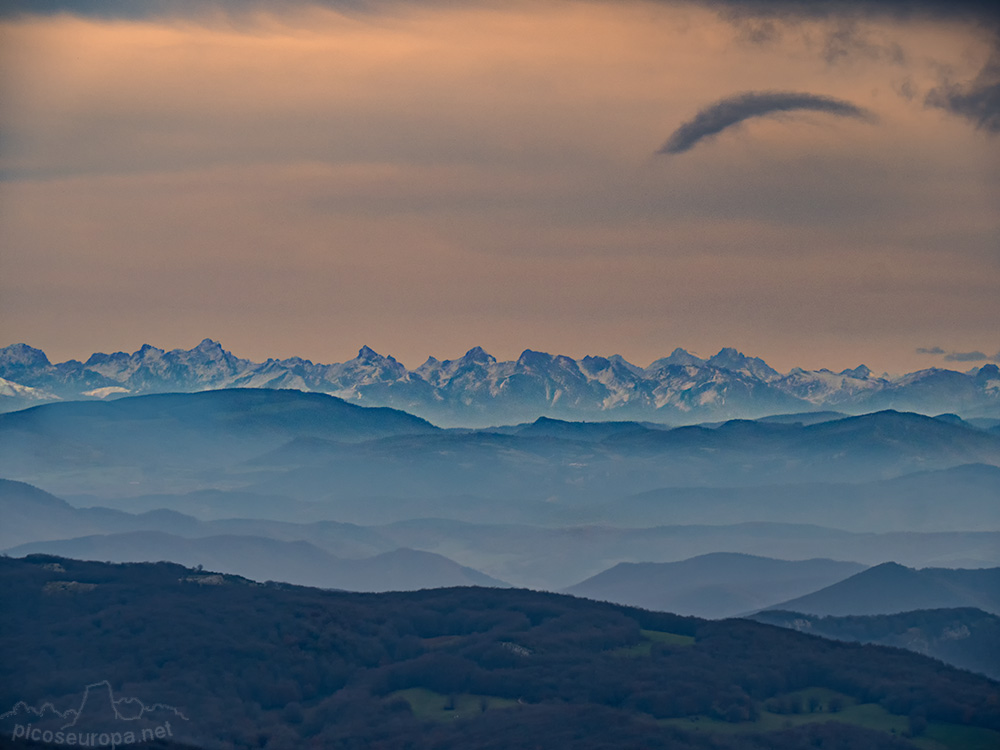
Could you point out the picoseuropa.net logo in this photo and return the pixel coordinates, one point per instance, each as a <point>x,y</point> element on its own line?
<point>100,720</point>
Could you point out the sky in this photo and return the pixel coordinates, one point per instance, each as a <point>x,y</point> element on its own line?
<point>814,183</point>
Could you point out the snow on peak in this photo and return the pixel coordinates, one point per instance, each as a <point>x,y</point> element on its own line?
<point>10,388</point>
<point>208,345</point>
<point>735,361</point>
<point>478,354</point>
<point>728,384</point>
<point>22,355</point>
<point>860,372</point>
<point>110,390</point>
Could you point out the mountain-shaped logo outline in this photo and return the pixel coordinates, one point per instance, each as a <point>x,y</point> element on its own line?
<point>73,715</point>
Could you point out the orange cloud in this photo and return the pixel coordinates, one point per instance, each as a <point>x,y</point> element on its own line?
<point>439,177</point>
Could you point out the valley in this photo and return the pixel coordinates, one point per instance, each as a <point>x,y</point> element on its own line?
<point>880,528</point>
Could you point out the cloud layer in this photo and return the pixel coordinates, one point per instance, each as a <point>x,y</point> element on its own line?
<point>301,181</point>
<point>731,111</point>
<point>973,356</point>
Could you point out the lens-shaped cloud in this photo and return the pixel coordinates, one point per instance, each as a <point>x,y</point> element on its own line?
<point>965,357</point>
<point>733,110</point>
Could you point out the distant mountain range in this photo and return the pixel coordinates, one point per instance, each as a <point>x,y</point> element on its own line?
<point>372,465</point>
<point>913,502</point>
<point>478,390</point>
<point>262,559</point>
<point>36,522</point>
<point>549,558</point>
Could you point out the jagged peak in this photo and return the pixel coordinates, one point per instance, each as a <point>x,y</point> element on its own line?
<point>678,357</point>
<point>207,345</point>
<point>100,358</point>
<point>478,354</point>
<point>367,354</point>
<point>730,354</point>
<point>861,372</point>
<point>988,372</point>
<point>25,355</point>
<point>530,357</point>
<point>599,362</point>
<point>430,366</point>
<point>729,358</point>
<point>680,352</point>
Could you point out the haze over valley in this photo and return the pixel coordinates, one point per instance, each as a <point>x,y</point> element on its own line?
<point>546,504</point>
<point>880,527</point>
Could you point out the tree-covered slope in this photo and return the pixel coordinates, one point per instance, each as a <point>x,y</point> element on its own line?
<point>279,666</point>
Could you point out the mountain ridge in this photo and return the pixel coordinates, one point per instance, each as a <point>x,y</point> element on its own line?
<point>714,585</point>
<point>891,588</point>
<point>262,558</point>
<point>478,390</point>
<point>549,558</point>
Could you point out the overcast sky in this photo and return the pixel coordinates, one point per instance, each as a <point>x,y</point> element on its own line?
<point>817,187</point>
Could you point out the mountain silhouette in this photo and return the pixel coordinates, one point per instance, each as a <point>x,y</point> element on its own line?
<point>478,390</point>
<point>97,711</point>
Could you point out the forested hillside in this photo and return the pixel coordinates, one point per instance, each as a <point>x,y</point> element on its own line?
<point>286,667</point>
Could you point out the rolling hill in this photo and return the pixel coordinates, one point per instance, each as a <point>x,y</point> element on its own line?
<point>264,559</point>
<point>890,588</point>
<point>549,558</point>
<point>238,662</point>
<point>714,585</point>
<point>967,638</point>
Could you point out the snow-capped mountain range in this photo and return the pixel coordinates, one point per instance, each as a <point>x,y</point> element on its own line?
<point>478,390</point>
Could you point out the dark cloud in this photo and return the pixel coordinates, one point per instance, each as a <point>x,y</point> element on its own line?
<point>975,356</point>
<point>167,8</point>
<point>965,357</point>
<point>977,101</point>
<point>760,31</point>
<point>733,110</point>
<point>849,39</point>
<point>979,10</point>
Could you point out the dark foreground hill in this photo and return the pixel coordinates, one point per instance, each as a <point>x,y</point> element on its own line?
<point>967,638</point>
<point>221,662</point>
